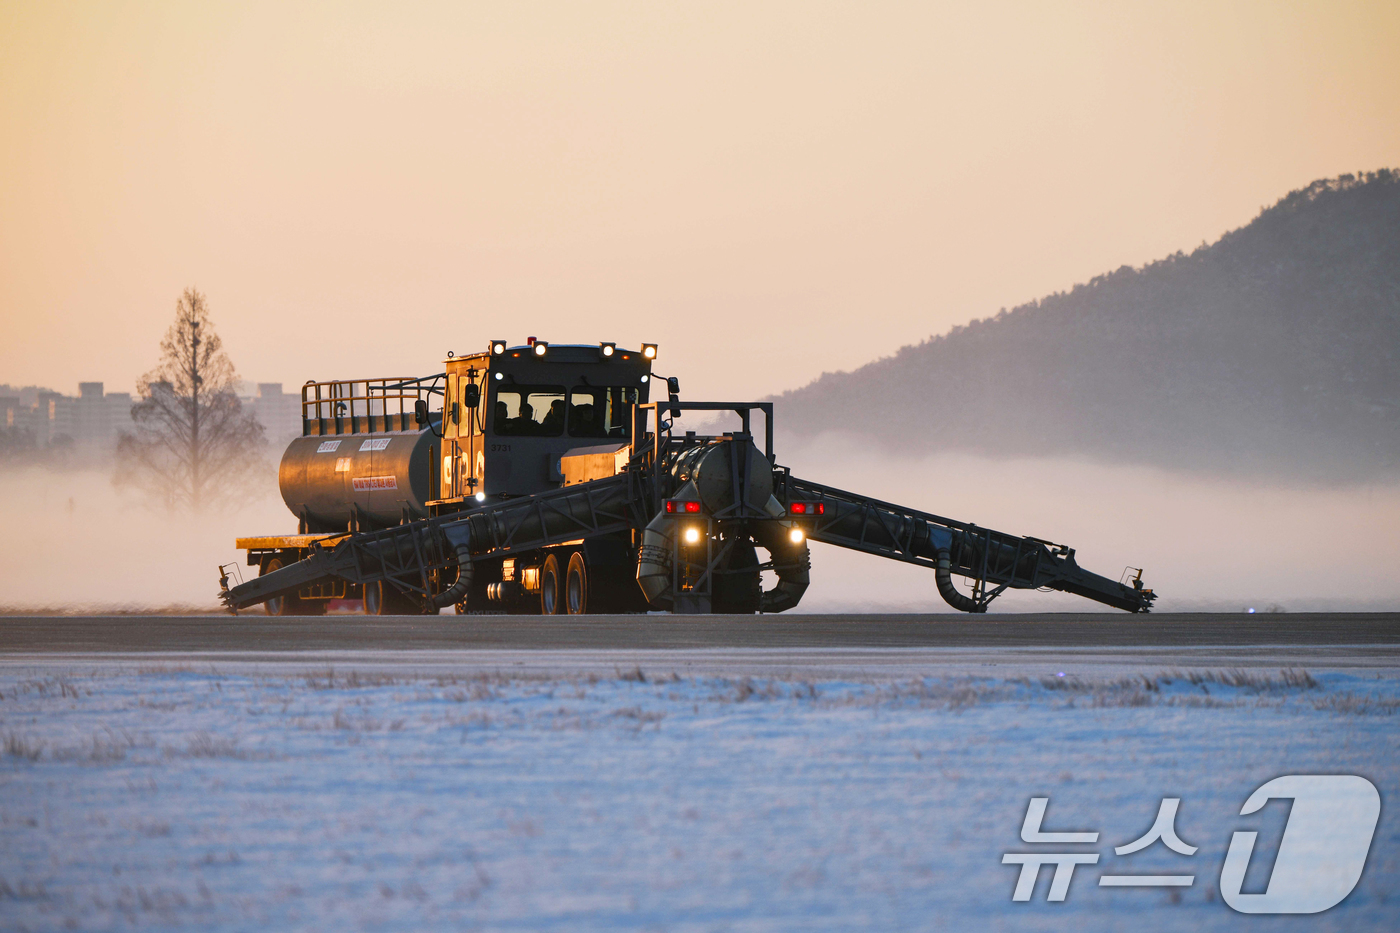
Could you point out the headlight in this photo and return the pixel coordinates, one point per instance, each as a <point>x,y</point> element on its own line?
<point>691,535</point>
<point>796,536</point>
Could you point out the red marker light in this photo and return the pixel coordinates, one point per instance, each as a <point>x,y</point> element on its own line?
<point>692,506</point>
<point>798,508</point>
<point>821,508</point>
<point>670,505</point>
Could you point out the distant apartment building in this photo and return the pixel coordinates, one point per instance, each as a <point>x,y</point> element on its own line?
<point>88,423</point>
<point>99,419</point>
<point>278,412</point>
<point>91,423</point>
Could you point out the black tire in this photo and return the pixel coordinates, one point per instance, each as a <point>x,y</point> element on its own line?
<point>737,587</point>
<point>383,599</point>
<point>375,603</point>
<point>551,595</point>
<point>289,605</point>
<point>576,585</point>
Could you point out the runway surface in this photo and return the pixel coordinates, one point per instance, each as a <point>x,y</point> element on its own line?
<point>827,646</point>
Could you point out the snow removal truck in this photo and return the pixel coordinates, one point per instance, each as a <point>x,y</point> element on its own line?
<point>542,479</point>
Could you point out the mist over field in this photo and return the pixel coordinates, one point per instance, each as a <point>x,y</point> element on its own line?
<point>1204,544</point>
<point>74,541</point>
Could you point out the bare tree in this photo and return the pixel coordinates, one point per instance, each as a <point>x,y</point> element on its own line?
<point>193,446</point>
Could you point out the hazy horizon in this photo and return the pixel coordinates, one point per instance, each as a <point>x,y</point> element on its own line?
<point>767,191</point>
<point>1205,544</point>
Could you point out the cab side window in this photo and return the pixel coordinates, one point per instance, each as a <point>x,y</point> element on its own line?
<point>604,411</point>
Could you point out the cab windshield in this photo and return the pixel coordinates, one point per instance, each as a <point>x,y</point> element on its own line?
<point>603,411</point>
<point>529,411</point>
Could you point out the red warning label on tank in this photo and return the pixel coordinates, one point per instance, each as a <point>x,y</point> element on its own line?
<point>366,483</point>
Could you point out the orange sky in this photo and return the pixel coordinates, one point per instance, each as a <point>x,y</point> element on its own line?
<point>768,190</point>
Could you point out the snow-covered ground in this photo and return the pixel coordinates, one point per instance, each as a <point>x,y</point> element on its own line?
<point>236,795</point>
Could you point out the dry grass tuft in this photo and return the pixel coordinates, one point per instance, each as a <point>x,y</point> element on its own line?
<point>204,745</point>
<point>60,687</point>
<point>27,891</point>
<point>18,746</point>
<point>641,717</point>
<point>476,692</point>
<point>328,680</point>
<point>1258,681</point>
<point>105,746</point>
<point>1357,704</point>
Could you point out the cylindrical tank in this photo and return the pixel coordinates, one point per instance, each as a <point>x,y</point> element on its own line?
<point>373,479</point>
<point>710,468</point>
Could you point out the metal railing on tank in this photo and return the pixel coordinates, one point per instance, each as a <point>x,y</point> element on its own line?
<point>363,406</point>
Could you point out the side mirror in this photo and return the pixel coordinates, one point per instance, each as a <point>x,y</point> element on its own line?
<point>673,389</point>
<point>471,395</point>
<point>420,411</point>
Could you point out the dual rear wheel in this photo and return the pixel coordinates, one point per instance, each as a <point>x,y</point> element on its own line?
<point>567,592</point>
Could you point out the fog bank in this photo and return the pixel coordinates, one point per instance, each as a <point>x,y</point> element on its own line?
<point>74,542</point>
<point>1204,544</point>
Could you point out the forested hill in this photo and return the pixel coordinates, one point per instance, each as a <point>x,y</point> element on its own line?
<point>1274,351</point>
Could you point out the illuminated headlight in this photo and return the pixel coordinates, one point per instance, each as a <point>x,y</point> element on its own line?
<point>607,349</point>
<point>498,347</point>
<point>649,350</point>
<point>481,497</point>
<point>645,377</point>
<point>796,536</point>
<point>691,535</point>
<point>500,376</point>
<point>541,348</point>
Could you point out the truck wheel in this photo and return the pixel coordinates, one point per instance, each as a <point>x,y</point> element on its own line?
<point>738,587</point>
<point>289,605</point>
<point>576,586</point>
<point>277,605</point>
<point>375,603</point>
<point>550,602</point>
<point>382,599</point>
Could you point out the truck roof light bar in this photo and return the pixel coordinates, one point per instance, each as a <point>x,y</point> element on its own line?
<point>807,508</point>
<point>674,506</point>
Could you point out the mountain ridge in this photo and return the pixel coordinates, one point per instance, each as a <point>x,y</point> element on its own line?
<point>1274,350</point>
